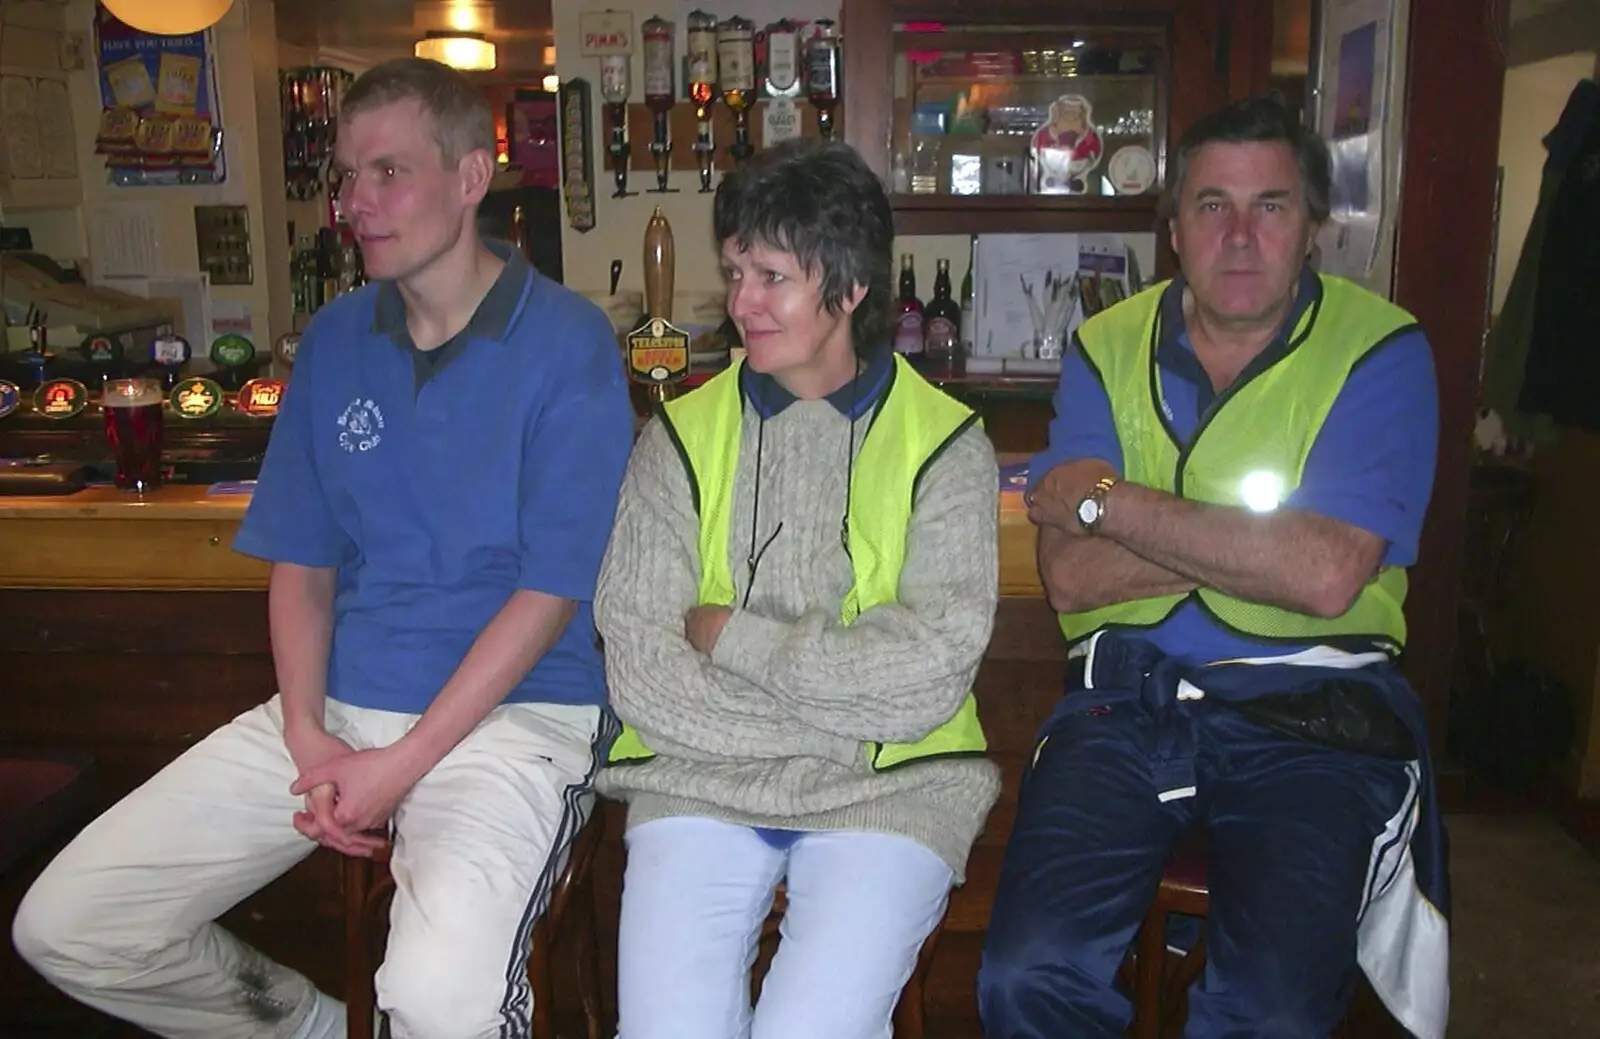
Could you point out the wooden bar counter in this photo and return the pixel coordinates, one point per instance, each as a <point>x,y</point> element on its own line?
<point>129,629</point>
<point>179,537</point>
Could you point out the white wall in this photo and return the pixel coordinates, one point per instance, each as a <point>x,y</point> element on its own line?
<point>1534,97</point>
<point>244,51</point>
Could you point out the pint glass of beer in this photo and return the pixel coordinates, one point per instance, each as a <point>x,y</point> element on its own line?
<point>133,429</point>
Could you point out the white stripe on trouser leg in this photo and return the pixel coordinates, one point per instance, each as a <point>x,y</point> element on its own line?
<point>578,802</point>
<point>473,851</point>
<point>695,894</point>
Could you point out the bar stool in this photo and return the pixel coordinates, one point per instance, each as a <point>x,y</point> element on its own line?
<point>1161,981</point>
<point>43,794</point>
<point>909,1019</point>
<point>570,915</point>
<point>1160,992</point>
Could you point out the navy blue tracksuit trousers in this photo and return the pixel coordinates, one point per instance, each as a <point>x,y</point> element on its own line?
<point>1291,828</point>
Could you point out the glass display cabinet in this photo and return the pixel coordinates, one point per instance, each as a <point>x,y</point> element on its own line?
<point>1053,111</point>
<point>1031,116</point>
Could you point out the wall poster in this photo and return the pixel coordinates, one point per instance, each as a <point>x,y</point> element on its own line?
<point>1353,105</point>
<point>159,118</point>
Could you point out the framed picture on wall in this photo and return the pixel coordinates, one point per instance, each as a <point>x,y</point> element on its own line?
<point>533,138</point>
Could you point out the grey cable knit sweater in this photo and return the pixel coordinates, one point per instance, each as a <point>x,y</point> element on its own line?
<point>770,730</point>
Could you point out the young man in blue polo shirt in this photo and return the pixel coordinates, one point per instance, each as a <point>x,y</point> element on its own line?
<point>435,502</point>
<point>1234,485</point>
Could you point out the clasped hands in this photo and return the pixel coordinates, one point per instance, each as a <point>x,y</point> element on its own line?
<point>348,793</point>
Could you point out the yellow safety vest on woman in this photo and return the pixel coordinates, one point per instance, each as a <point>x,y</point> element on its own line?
<point>1250,449</point>
<point>912,426</point>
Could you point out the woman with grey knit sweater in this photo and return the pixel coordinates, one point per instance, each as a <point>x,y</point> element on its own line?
<point>797,593</point>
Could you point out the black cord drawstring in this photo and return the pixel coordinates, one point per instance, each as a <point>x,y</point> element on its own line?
<point>753,560</point>
<point>849,464</point>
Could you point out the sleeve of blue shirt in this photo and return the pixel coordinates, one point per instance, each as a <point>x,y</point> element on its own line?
<point>1082,426</point>
<point>574,460</point>
<point>289,520</point>
<point>1372,462</point>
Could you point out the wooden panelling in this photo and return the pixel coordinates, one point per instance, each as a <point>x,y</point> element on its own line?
<point>168,667</point>
<point>1456,71</point>
<point>178,537</point>
<point>230,622</point>
<point>114,553</point>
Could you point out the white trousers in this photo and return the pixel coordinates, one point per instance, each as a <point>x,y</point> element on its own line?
<point>123,919</point>
<point>695,894</point>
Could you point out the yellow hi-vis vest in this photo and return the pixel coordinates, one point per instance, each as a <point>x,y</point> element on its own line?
<point>1249,451</point>
<point>914,423</point>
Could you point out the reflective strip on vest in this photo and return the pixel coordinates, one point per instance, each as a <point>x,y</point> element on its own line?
<point>1250,452</point>
<point>913,424</point>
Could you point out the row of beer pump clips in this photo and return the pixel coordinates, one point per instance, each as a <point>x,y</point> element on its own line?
<point>722,61</point>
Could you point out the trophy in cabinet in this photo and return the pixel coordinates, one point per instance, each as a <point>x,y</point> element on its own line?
<point>615,85</point>
<point>823,74</point>
<point>702,66</point>
<point>658,350</point>
<point>659,94</point>
<point>736,50</point>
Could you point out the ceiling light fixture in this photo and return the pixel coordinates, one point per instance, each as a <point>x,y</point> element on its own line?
<point>467,51</point>
<point>168,17</point>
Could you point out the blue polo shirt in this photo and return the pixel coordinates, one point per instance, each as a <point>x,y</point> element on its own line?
<point>1371,464</point>
<point>438,483</point>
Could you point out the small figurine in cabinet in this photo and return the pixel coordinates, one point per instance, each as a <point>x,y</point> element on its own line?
<point>1066,148</point>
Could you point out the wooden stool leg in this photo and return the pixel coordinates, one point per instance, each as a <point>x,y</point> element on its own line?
<point>359,996</point>
<point>586,955</point>
<point>1149,969</point>
<point>541,980</point>
<point>1175,990</point>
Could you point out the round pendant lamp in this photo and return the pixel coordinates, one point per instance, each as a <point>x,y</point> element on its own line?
<point>468,51</point>
<point>168,17</point>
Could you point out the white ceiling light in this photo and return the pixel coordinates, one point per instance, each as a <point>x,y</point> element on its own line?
<point>169,17</point>
<point>466,51</point>
<point>464,16</point>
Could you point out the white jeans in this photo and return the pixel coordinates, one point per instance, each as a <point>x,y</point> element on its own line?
<point>123,919</point>
<point>693,899</point>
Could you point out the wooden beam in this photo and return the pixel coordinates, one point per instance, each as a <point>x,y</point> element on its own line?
<point>1442,261</point>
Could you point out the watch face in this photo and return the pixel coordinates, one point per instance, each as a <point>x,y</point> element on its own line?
<point>1088,511</point>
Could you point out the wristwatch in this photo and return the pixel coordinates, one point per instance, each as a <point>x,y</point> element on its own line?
<point>1092,508</point>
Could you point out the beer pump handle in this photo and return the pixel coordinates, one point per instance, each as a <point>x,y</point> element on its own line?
<point>659,262</point>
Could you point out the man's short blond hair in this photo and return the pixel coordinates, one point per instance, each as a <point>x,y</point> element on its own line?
<point>462,122</point>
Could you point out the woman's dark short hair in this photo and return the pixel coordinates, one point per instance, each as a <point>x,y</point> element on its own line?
<point>821,203</point>
<point>1263,118</point>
